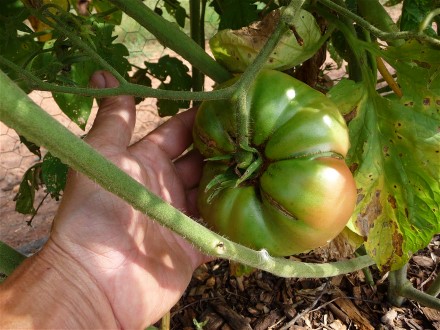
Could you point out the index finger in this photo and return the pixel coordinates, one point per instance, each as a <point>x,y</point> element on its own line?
<point>174,136</point>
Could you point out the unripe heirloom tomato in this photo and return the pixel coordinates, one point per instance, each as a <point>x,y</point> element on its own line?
<point>302,194</point>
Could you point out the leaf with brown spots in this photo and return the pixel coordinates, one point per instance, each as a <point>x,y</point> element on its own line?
<point>395,157</point>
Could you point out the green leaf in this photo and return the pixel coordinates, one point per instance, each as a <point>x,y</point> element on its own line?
<point>46,65</point>
<point>114,15</point>
<point>199,325</point>
<point>174,76</point>
<point>238,270</point>
<point>395,159</point>
<point>20,51</point>
<point>76,107</point>
<point>10,259</point>
<point>54,175</point>
<point>24,199</point>
<point>113,53</point>
<point>414,12</point>
<point>174,8</point>
<point>12,16</point>
<point>235,14</point>
<point>346,94</point>
<point>335,55</point>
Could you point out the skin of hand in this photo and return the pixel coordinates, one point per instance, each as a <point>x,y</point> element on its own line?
<point>126,269</point>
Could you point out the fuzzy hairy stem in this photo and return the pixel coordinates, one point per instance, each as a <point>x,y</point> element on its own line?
<point>387,36</point>
<point>428,19</point>
<point>289,16</point>
<point>397,279</point>
<point>19,112</point>
<point>126,89</point>
<point>197,35</point>
<point>434,288</point>
<point>400,288</point>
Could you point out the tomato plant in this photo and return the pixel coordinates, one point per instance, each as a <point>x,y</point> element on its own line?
<point>302,194</point>
<point>244,129</point>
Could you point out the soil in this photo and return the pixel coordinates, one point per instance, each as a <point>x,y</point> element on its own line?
<point>264,301</point>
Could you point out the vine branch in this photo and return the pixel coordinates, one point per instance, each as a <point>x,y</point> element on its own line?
<point>126,89</point>
<point>387,36</point>
<point>289,17</point>
<point>428,19</point>
<point>400,288</point>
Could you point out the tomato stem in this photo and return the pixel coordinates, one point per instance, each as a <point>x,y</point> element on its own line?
<point>387,36</point>
<point>400,288</point>
<point>288,18</point>
<point>126,89</point>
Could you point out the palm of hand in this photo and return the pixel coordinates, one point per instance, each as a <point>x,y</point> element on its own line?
<point>142,267</point>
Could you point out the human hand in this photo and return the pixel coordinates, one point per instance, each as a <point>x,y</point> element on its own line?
<point>142,267</point>
<point>129,265</point>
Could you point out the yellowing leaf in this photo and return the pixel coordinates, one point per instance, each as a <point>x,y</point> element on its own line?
<point>395,157</point>
<point>237,49</point>
<point>40,26</point>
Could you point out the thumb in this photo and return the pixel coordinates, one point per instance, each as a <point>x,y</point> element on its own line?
<point>116,115</point>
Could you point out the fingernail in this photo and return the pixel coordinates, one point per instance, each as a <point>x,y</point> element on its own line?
<point>97,80</point>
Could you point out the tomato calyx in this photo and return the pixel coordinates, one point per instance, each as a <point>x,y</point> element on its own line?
<point>250,160</point>
<point>245,165</point>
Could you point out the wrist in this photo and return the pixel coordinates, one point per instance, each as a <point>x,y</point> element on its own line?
<point>52,290</point>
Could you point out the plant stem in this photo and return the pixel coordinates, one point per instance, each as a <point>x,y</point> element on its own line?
<point>421,297</point>
<point>375,13</point>
<point>387,36</point>
<point>400,288</point>
<point>126,89</point>
<point>367,272</point>
<point>428,19</point>
<point>356,58</point>
<point>165,321</point>
<point>288,18</point>
<point>19,112</point>
<point>172,37</point>
<point>397,279</point>
<point>196,35</point>
<point>434,288</point>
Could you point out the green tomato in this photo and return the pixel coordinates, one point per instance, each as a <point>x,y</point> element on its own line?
<point>302,194</point>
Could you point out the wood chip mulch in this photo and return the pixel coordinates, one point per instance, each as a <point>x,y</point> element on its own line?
<point>217,300</point>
